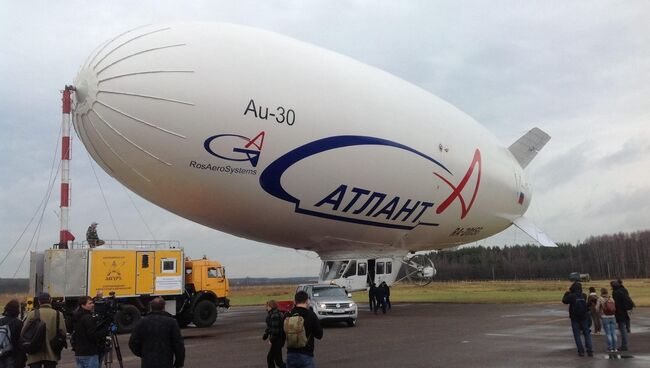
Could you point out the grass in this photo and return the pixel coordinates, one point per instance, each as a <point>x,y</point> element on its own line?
<point>5,297</point>
<point>499,292</point>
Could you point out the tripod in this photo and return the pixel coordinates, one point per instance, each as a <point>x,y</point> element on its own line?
<point>112,344</point>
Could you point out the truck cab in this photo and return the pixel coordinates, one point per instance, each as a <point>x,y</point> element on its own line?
<point>331,303</point>
<point>207,288</point>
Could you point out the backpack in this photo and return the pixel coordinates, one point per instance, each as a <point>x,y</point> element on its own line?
<point>277,322</point>
<point>294,328</point>
<point>629,304</point>
<point>592,300</point>
<point>32,339</point>
<point>5,340</point>
<point>579,308</point>
<point>609,308</point>
<point>59,341</point>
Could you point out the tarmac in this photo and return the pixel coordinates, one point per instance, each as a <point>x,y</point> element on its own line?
<point>416,335</point>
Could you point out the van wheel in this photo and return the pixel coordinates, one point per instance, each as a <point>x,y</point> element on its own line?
<point>205,313</point>
<point>352,322</point>
<point>126,318</point>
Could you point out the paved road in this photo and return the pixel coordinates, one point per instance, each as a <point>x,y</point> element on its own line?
<point>418,335</point>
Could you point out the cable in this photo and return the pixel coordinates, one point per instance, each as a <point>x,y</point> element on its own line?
<point>139,213</point>
<point>43,201</point>
<point>23,233</point>
<point>40,221</point>
<point>103,196</point>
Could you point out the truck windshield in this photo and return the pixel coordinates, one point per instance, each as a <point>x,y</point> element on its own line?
<point>330,292</point>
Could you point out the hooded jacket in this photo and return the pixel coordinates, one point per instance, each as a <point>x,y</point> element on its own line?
<point>621,297</point>
<point>570,297</point>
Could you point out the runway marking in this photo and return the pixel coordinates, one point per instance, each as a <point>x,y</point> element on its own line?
<point>554,320</point>
<point>497,334</point>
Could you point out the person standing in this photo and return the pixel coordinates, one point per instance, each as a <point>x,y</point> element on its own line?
<point>85,337</point>
<point>384,285</point>
<point>579,315</point>
<point>46,357</point>
<point>594,312</point>
<point>621,298</point>
<point>157,339</point>
<point>380,299</point>
<point>14,358</point>
<point>275,334</point>
<point>301,326</point>
<point>607,308</point>
<point>629,304</point>
<point>372,292</point>
<point>91,236</point>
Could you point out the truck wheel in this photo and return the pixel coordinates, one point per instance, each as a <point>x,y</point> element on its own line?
<point>352,322</point>
<point>184,320</point>
<point>205,313</point>
<point>126,318</point>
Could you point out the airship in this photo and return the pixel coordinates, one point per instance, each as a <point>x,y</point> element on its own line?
<point>276,140</point>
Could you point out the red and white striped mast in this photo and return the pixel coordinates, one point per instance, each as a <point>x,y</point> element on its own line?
<point>65,235</point>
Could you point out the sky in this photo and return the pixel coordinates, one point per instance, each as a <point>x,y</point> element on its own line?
<point>579,70</point>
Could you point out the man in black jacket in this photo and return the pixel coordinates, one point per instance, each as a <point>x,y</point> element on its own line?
<point>85,337</point>
<point>579,315</point>
<point>623,303</point>
<point>304,357</point>
<point>157,339</point>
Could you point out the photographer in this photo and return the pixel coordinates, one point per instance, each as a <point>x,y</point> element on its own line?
<point>85,336</point>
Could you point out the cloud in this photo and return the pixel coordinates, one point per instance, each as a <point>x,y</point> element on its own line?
<point>632,151</point>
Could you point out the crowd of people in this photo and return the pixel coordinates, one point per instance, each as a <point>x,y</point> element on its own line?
<point>39,340</point>
<point>379,297</point>
<point>156,339</point>
<point>605,312</point>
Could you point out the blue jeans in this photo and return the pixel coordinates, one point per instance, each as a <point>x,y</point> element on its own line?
<point>622,327</point>
<point>609,325</point>
<point>90,361</point>
<point>297,360</point>
<point>582,327</point>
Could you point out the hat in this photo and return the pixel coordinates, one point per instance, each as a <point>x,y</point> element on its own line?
<point>94,223</point>
<point>44,298</point>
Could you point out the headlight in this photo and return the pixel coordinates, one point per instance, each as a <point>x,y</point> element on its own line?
<point>352,305</point>
<point>322,306</point>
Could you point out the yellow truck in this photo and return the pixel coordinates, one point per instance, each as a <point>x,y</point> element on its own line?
<point>128,276</point>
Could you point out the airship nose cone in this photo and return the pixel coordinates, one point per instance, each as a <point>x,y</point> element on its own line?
<point>86,90</point>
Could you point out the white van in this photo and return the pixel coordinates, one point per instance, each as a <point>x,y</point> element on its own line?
<point>331,303</point>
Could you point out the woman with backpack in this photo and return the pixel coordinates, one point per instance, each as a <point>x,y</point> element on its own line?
<point>275,334</point>
<point>607,308</point>
<point>10,326</point>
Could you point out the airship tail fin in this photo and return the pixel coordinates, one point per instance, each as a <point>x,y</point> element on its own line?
<point>533,231</point>
<point>525,148</point>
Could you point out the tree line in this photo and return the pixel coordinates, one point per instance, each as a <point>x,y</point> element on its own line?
<point>622,255</point>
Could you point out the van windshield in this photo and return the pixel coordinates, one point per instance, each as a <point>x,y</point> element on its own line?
<point>328,292</point>
<point>333,269</point>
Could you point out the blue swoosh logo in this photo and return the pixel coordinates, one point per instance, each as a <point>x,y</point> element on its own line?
<point>270,179</point>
